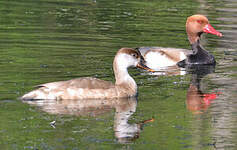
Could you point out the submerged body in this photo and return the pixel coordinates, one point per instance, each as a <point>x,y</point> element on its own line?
<point>159,57</point>
<point>92,88</point>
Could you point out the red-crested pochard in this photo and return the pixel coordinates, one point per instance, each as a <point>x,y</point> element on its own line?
<point>158,57</point>
<point>92,88</point>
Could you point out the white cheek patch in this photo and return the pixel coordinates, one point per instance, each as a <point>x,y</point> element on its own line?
<point>156,60</point>
<point>126,61</point>
<point>122,60</point>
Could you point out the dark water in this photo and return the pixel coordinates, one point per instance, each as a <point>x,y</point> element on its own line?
<point>45,40</point>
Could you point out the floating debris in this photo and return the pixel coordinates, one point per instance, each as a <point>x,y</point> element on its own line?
<point>53,124</point>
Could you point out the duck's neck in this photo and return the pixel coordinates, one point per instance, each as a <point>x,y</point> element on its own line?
<point>194,40</point>
<point>193,37</point>
<point>122,77</point>
<point>197,48</point>
<point>199,55</point>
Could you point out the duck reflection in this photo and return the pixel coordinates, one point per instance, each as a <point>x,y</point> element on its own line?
<point>196,100</point>
<point>125,132</point>
<point>124,109</point>
<point>169,71</point>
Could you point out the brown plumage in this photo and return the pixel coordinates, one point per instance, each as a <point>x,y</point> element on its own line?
<point>92,88</point>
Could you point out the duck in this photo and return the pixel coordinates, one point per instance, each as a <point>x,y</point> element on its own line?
<point>93,88</point>
<point>160,57</point>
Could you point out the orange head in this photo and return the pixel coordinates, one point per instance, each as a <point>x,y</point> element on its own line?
<point>196,25</point>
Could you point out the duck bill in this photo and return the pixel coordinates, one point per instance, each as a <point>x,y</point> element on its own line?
<point>142,66</point>
<point>209,29</point>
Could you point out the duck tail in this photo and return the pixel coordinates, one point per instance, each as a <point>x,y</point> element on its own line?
<point>35,95</point>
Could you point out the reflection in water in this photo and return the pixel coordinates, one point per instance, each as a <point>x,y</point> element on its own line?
<point>170,70</point>
<point>124,108</point>
<point>223,111</point>
<point>196,100</point>
<point>124,131</point>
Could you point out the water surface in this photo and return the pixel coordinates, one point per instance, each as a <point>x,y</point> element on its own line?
<point>48,40</point>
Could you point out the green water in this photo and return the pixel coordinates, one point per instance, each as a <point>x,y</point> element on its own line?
<point>47,40</point>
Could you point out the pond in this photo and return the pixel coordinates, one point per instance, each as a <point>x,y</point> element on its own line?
<point>46,40</point>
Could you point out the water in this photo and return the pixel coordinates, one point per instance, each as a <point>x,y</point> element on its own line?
<point>47,41</point>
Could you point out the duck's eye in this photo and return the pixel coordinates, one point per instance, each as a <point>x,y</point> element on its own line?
<point>200,21</point>
<point>134,55</point>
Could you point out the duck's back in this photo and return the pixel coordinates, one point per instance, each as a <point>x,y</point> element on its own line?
<point>85,83</point>
<point>158,57</point>
<point>80,88</point>
<point>144,50</point>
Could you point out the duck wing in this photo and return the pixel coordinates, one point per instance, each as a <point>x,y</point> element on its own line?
<point>68,89</point>
<point>85,82</point>
<point>172,52</point>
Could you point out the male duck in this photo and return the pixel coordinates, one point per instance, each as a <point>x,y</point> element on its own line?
<point>158,57</point>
